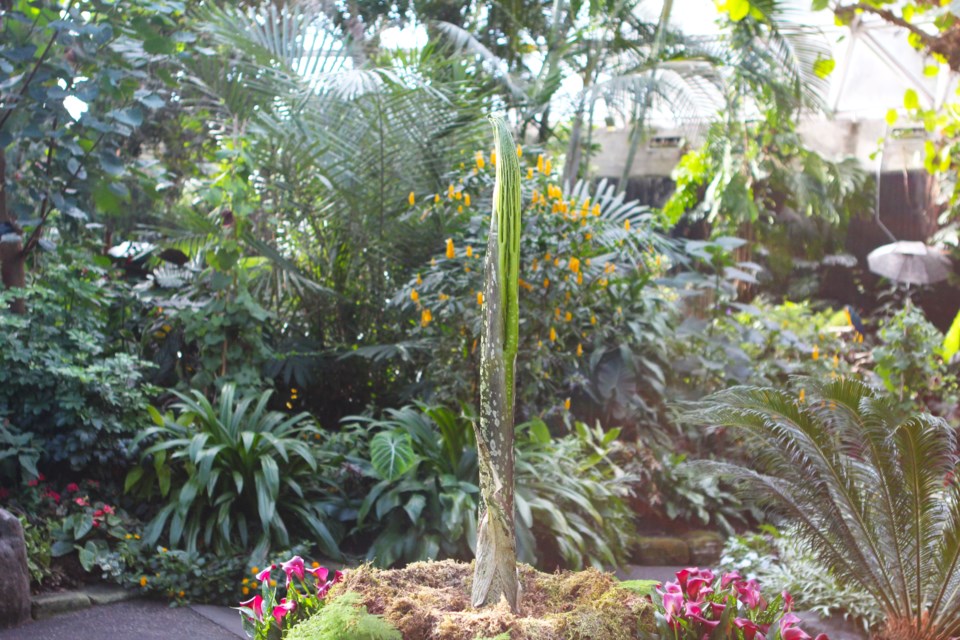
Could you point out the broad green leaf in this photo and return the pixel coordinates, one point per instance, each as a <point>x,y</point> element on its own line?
<point>392,454</point>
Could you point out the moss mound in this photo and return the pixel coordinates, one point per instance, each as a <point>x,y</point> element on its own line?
<point>344,619</point>
<point>430,601</point>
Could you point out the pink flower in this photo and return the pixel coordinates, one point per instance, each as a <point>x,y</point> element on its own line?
<point>698,588</point>
<point>748,627</point>
<point>727,578</point>
<point>749,592</point>
<point>282,609</point>
<point>684,574</point>
<point>73,487</point>
<point>53,495</point>
<point>33,483</point>
<point>319,573</point>
<point>293,567</point>
<point>255,604</point>
<point>83,502</point>
<point>265,574</point>
<point>337,576</point>
<point>41,477</point>
<point>789,630</point>
<point>787,602</point>
<point>108,509</point>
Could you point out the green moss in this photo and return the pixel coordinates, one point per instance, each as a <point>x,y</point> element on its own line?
<point>344,619</point>
<point>639,587</point>
<point>502,636</point>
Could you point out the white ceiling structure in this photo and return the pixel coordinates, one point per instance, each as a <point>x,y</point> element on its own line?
<point>875,65</point>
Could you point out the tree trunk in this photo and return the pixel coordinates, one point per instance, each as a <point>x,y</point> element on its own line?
<point>495,573</point>
<point>13,260</point>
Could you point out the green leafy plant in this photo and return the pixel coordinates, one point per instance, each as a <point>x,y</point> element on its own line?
<point>345,618</point>
<point>873,495</point>
<point>37,540</point>
<point>19,454</point>
<point>64,379</point>
<point>231,475</point>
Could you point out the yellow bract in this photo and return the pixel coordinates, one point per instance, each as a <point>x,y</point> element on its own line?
<point>425,317</point>
<point>450,252</point>
<point>412,199</point>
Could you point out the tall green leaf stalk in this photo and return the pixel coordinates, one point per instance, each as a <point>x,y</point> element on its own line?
<point>495,574</point>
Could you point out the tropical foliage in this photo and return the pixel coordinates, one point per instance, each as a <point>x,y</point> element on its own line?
<point>871,493</point>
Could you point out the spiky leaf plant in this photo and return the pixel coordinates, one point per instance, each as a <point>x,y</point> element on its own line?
<point>872,496</point>
<point>496,567</point>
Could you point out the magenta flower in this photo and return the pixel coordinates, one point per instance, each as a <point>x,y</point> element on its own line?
<point>319,573</point>
<point>727,578</point>
<point>789,630</point>
<point>748,627</point>
<point>255,604</point>
<point>73,487</point>
<point>265,574</point>
<point>282,609</point>
<point>787,602</point>
<point>749,592</point>
<point>293,567</point>
<point>337,576</point>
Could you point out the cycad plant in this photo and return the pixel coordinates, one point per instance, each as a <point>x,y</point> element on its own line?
<point>873,497</point>
<point>229,469</point>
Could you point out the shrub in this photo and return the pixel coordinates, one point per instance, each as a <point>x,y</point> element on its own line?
<point>344,619</point>
<point>873,496</point>
<point>60,381</point>
<point>423,506</point>
<point>231,473</point>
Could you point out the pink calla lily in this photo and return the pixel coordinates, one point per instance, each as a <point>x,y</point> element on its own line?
<point>282,609</point>
<point>255,604</point>
<point>293,567</point>
<point>265,573</point>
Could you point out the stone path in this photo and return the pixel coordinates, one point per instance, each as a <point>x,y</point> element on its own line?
<point>134,620</point>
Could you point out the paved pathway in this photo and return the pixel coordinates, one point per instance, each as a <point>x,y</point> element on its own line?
<point>134,620</point>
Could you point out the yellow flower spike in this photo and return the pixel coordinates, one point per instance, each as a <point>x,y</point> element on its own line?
<point>547,167</point>
<point>143,581</point>
<point>553,334</point>
<point>414,295</point>
<point>588,235</point>
<point>568,316</point>
<point>412,199</point>
<point>458,195</point>
<point>602,282</point>
<point>443,297</point>
<point>556,262</point>
<point>574,265</point>
<point>535,198</point>
<point>467,269</point>
<point>579,350</point>
<point>419,279</point>
<point>567,296</point>
<point>466,199</point>
<point>593,319</point>
<point>556,312</point>
<point>475,171</point>
<point>659,261</point>
<point>596,210</point>
<point>493,158</point>
<point>816,352</point>
<point>529,173</point>
<point>460,209</point>
<point>566,404</point>
<point>579,278</point>
<point>526,285</point>
<point>540,163</point>
<point>479,159</point>
<point>546,283</point>
<point>450,191</point>
<point>586,262</point>
<point>836,360</point>
<point>480,298</point>
<point>425,317</point>
<point>803,395</point>
<point>535,265</point>
<point>469,251</point>
<point>626,225</point>
<point>450,252</point>
<point>519,151</point>
<point>436,198</point>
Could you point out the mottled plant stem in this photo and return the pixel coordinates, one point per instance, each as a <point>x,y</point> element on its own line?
<point>495,575</point>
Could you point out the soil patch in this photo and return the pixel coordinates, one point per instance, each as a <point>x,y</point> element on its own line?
<point>430,600</point>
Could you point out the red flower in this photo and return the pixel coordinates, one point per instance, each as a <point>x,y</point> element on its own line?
<point>41,477</point>
<point>33,483</point>
<point>748,627</point>
<point>50,493</point>
<point>108,509</point>
<point>73,487</point>
<point>98,513</point>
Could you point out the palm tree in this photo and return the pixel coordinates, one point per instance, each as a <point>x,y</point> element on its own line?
<point>873,495</point>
